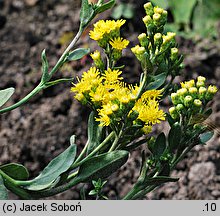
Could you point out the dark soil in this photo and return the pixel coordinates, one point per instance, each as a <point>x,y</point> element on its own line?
<point>38,131</point>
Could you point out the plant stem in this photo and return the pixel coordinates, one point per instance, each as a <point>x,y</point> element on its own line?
<point>24,100</point>
<point>12,186</point>
<point>41,85</point>
<point>107,139</point>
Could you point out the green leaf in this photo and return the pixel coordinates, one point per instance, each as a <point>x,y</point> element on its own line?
<point>158,180</point>
<point>52,171</point>
<point>105,7</point>
<point>174,136</point>
<point>77,54</point>
<point>92,192</point>
<point>128,11</point>
<point>170,120</point>
<point>205,17</point>
<point>45,67</point>
<point>94,132</point>
<point>86,13</point>
<point>3,190</point>
<point>118,11</point>
<point>158,81</point>
<point>15,171</point>
<point>5,95</point>
<point>205,137</point>
<point>160,145</point>
<point>182,10</point>
<point>102,166</point>
<point>55,82</point>
<point>160,3</point>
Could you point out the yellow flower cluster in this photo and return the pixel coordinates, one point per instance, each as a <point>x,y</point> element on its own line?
<point>115,100</point>
<point>105,30</point>
<point>192,97</point>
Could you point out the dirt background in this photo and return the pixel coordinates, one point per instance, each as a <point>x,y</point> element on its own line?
<point>38,131</point>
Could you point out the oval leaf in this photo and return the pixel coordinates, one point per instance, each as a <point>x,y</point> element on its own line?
<point>205,137</point>
<point>5,95</point>
<point>102,166</point>
<point>160,145</point>
<point>3,190</point>
<point>174,136</point>
<point>86,13</point>
<point>105,6</point>
<point>158,81</point>
<point>15,171</point>
<point>52,171</point>
<point>77,54</point>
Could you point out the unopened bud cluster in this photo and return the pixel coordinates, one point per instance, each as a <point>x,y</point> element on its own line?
<point>154,45</point>
<point>192,97</point>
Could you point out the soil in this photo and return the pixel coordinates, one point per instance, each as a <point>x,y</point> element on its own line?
<point>38,131</point>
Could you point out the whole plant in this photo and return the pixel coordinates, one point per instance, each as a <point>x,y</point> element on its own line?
<point>123,115</point>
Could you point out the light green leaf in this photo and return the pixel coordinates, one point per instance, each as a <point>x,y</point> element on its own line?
<point>86,13</point>
<point>102,166</point>
<point>105,6</point>
<point>77,54</point>
<point>45,67</point>
<point>52,171</point>
<point>160,3</point>
<point>205,137</point>
<point>3,190</point>
<point>15,171</point>
<point>158,81</point>
<point>182,10</point>
<point>5,95</point>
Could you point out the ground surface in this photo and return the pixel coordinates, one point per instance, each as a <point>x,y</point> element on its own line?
<point>33,134</point>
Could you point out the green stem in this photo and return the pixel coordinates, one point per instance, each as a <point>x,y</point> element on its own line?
<point>107,139</point>
<point>24,100</point>
<point>115,143</point>
<point>41,85</point>
<point>12,186</point>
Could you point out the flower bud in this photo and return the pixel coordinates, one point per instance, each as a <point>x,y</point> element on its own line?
<point>114,107</point>
<point>174,53</point>
<point>182,92</point>
<point>179,107</point>
<point>197,103</point>
<point>212,90</point>
<point>149,9</point>
<point>188,100</point>
<point>173,112</point>
<point>157,19</point>
<point>200,84</point>
<point>143,40</point>
<point>158,39</point>
<point>202,92</point>
<point>147,20</point>
<point>193,90</point>
<point>175,98</point>
<point>201,79</point>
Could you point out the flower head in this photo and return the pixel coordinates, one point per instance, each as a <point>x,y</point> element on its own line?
<point>119,43</point>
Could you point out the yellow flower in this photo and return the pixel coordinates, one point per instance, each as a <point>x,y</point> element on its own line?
<point>90,80</point>
<point>112,76</point>
<point>188,84</point>
<point>103,28</point>
<point>104,119</point>
<point>119,43</point>
<point>151,94</point>
<point>96,55</point>
<point>149,111</point>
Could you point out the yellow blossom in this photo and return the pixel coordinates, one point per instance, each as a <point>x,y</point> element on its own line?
<point>112,76</point>
<point>119,43</point>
